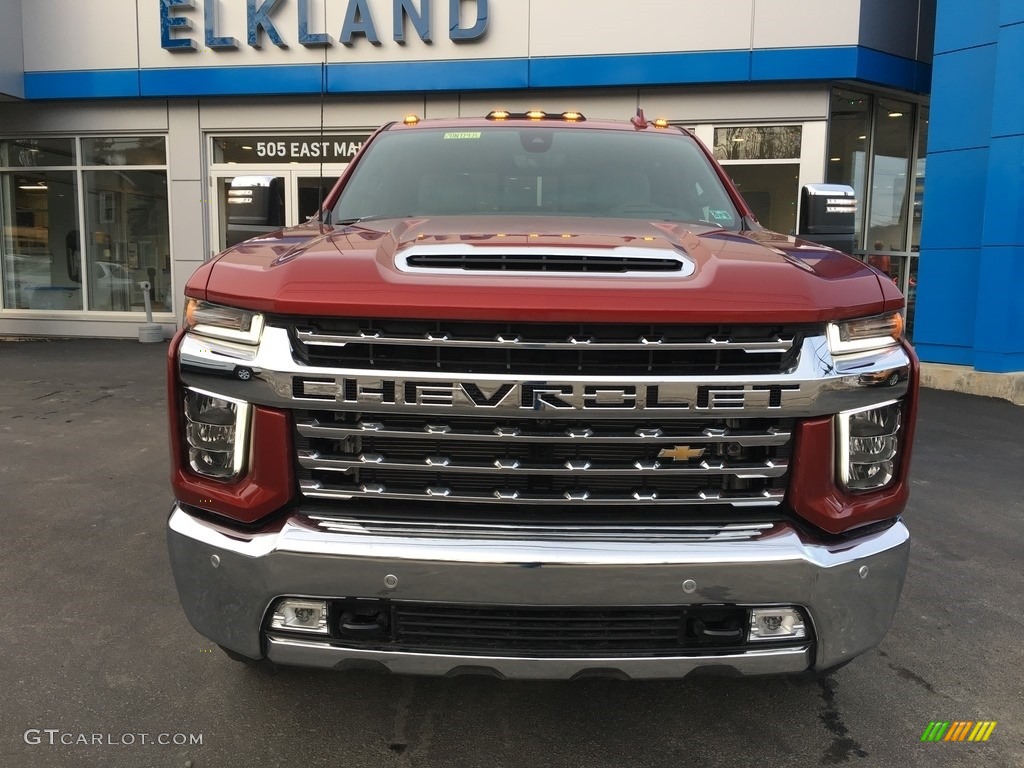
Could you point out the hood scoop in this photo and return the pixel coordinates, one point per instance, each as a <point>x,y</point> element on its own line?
<point>543,260</point>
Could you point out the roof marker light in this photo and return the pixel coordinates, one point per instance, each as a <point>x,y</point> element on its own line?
<point>572,117</point>
<point>498,114</point>
<point>411,119</point>
<point>536,114</point>
<point>661,122</point>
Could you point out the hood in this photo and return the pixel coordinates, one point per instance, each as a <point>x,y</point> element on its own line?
<point>737,277</point>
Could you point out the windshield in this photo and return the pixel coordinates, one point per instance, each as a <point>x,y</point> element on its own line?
<point>536,170</point>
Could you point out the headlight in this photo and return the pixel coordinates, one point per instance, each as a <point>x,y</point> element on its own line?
<point>868,446</point>
<point>865,334</point>
<point>222,322</point>
<point>217,433</point>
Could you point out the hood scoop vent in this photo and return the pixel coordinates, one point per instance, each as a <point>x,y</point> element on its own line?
<point>541,260</point>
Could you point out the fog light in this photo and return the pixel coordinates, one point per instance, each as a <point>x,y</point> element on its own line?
<point>216,430</point>
<point>868,445</point>
<point>300,616</point>
<point>776,624</point>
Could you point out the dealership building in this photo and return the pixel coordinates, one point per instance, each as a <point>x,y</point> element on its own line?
<point>132,132</point>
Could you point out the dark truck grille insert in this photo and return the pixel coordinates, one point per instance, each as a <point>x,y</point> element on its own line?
<point>735,462</point>
<point>541,631</point>
<point>542,262</point>
<point>547,349</point>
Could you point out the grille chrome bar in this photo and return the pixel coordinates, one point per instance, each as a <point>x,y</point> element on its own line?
<point>651,433</point>
<point>780,345</point>
<point>567,532</point>
<point>769,497</point>
<point>582,466</point>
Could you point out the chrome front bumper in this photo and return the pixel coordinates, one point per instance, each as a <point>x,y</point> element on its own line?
<point>227,581</point>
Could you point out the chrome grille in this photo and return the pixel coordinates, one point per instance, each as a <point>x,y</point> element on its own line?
<point>548,349</point>
<point>735,462</point>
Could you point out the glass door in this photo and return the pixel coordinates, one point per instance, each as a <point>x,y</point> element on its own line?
<point>310,190</point>
<point>250,202</point>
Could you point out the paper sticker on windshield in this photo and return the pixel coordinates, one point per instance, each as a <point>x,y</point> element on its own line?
<point>463,135</point>
<point>721,215</point>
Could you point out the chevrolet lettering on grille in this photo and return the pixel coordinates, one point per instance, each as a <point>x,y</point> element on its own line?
<point>544,396</point>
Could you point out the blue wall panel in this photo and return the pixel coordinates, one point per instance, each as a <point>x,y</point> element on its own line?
<point>1004,192</point>
<point>954,199</point>
<point>965,23</point>
<point>973,312</point>
<point>100,84</point>
<point>649,69</point>
<point>1011,13</point>
<point>640,69</point>
<point>946,298</point>
<point>218,81</point>
<point>394,77</point>
<point>961,107</point>
<point>884,68</point>
<point>1008,107</point>
<point>1000,310</point>
<point>792,63</point>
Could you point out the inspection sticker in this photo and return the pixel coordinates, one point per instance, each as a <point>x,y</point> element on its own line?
<point>463,135</point>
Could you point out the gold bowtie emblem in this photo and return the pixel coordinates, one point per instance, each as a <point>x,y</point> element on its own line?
<point>681,453</point>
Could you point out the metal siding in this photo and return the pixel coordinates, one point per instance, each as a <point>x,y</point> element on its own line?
<point>805,23</point>
<point>961,104</point>
<point>608,27</point>
<point>65,36</point>
<point>970,303</point>
<point>960,24</point>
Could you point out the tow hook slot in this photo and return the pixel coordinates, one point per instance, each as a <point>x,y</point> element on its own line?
<point>363,619</point>
<point>716,627</point>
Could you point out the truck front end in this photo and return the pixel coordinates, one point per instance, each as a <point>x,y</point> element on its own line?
<point>540,400</point>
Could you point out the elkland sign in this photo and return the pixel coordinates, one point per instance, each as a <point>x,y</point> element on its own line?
<point>467,21</point>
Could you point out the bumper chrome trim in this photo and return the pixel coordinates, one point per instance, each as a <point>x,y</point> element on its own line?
<point>517,532</point>
<point>310,653</point>
<point>849,589</point>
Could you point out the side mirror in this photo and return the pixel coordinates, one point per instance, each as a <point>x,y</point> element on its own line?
<point>827,215</point>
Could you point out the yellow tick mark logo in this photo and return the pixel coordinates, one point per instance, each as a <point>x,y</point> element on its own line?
<point>681,453</point>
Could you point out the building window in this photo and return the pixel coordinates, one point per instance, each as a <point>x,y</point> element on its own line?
<point>884,140</point>
<point>919,173</point>
<point>41,261</point>
<point>848,143</point>
<point>764,164</point>
<point>889,212</point>
<point>85,221</point>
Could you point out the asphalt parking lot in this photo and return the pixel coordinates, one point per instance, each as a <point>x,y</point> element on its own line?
<point>93,642</point>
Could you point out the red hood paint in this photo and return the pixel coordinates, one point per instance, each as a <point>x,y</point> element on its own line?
<point>748,277</point>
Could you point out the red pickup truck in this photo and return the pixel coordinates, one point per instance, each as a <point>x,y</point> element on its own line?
<point>536,396</point>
